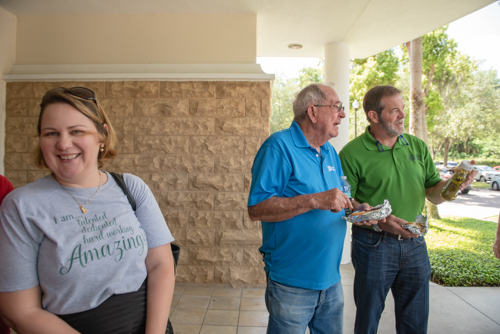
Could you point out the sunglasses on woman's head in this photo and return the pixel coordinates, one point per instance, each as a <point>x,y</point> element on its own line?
<point>80,92</point>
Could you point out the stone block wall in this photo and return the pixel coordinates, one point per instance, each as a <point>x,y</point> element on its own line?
<point>193,143</point>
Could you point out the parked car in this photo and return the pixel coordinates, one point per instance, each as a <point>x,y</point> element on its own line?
<point>485,173</point>
<point>446,173</point>
<point>451,164</point>
<point>495,183</point>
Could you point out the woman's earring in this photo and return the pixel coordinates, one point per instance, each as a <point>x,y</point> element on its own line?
<point>102,148</point>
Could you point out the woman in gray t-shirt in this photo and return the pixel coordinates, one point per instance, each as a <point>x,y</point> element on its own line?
<point>72,244</point>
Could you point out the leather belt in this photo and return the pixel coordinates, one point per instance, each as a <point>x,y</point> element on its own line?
<point>387,234</point>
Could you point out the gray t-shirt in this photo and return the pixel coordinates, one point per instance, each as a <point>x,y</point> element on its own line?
<point>79,260</point>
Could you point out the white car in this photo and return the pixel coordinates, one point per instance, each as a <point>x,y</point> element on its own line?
<point>495,183</point>
<point>485,173</point>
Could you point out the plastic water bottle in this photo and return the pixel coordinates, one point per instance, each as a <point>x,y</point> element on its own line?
<point>345,187</point>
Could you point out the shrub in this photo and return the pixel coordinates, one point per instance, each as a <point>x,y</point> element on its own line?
<point>460,252</point>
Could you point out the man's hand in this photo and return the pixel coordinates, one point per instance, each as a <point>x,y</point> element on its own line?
<point>333,200</point>
<point>277,209</point>
<point>367,207</point>
<point>393,224</point>
<point>470,177</point>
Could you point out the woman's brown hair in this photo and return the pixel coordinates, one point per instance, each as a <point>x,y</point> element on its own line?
<point>92,110</point>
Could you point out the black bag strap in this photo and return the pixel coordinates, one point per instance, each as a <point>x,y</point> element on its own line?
<point>119,179</point>
<point>175,248</point>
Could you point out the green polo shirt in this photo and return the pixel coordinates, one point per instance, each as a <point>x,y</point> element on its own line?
<point>399,174</point>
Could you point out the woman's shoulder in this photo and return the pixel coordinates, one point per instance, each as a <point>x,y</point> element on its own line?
<point>33,188</point>
<point>133,181</point>
<point>30,193</point>
<point>135,184</point>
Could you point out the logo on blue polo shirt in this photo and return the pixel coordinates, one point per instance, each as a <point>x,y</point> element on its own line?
<point>331,168</point>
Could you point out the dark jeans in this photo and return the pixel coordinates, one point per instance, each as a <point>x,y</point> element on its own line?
<point>382,263</point>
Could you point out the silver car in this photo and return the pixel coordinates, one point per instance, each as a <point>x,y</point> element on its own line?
<point>495,183</point>
<point>485,173</point>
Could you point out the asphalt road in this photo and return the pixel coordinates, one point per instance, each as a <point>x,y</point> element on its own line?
<point>478,203</point>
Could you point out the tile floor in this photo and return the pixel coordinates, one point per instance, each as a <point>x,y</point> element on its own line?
<point>218,310</point>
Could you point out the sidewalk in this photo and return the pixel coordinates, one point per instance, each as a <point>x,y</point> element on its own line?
<point>202,309</point>
<point>458,310</point>
<point>478,204</point>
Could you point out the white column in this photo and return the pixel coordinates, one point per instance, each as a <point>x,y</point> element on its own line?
<point>337,61</point>
<point>8,26</point>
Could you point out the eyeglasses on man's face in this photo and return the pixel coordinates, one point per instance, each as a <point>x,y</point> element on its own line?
<point>339,106</point>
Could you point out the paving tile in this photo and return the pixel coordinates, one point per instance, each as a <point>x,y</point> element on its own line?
<point>198,290</point>
<point>175,300</point>
<point>253,292</point>
<point>189,316</point>
<point>179,289</point>
<point>252,330</point>
<point>223,303</point>
<point>485,299</point>
<point>449,313</point>
<point>186,329</point>
<point>227,292</point>
<point>253,318</point>
<point>221,318</point>
<point>347,274</point>
<point>253,304</point>
<point>188,301</point>
<point>206,329</point>
<point>466,310</point>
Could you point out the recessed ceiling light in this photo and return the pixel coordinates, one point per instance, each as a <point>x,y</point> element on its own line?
<point>295,46</point>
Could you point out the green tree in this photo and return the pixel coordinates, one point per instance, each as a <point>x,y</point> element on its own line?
<point>481,112</point>
<point>310,75</point>
<point>452,123</point>
<point>446,74</point>
<point>284,91</point>
<point>381,69</point>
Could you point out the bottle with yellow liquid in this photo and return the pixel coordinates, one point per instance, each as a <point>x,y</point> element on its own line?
<point>450,191</point>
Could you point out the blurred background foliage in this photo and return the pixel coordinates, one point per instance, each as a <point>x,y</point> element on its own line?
<point>462,102</point>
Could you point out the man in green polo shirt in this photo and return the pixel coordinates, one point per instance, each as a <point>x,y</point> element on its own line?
<point>386,163</point>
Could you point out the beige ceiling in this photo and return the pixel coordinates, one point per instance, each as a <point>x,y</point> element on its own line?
<point>368,26</point>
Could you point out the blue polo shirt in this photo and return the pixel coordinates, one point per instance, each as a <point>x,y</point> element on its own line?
<point>304,251</point>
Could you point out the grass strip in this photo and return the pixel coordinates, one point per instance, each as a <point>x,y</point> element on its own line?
<point>481,185</point>
<point>460,252</point>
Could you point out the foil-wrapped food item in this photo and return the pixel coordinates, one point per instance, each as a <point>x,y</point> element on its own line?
<point>419,227</point>
<point>376,213</point>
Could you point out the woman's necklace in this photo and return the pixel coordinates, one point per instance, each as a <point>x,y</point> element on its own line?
<point>82,205</point>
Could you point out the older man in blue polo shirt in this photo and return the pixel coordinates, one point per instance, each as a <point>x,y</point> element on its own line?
<point>295,192</point>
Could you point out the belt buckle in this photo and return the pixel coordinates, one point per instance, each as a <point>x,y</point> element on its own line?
<point>399,237</point>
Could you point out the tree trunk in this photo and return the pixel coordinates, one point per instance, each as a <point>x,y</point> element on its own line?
<point>432,210</point>
<point>417,107</point>
<point>418,121</point>
<point>425,136</point>
<point>446,150</point>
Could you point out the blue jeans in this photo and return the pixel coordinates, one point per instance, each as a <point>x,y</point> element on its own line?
<point>382,263</point>
<point>292,309</point>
